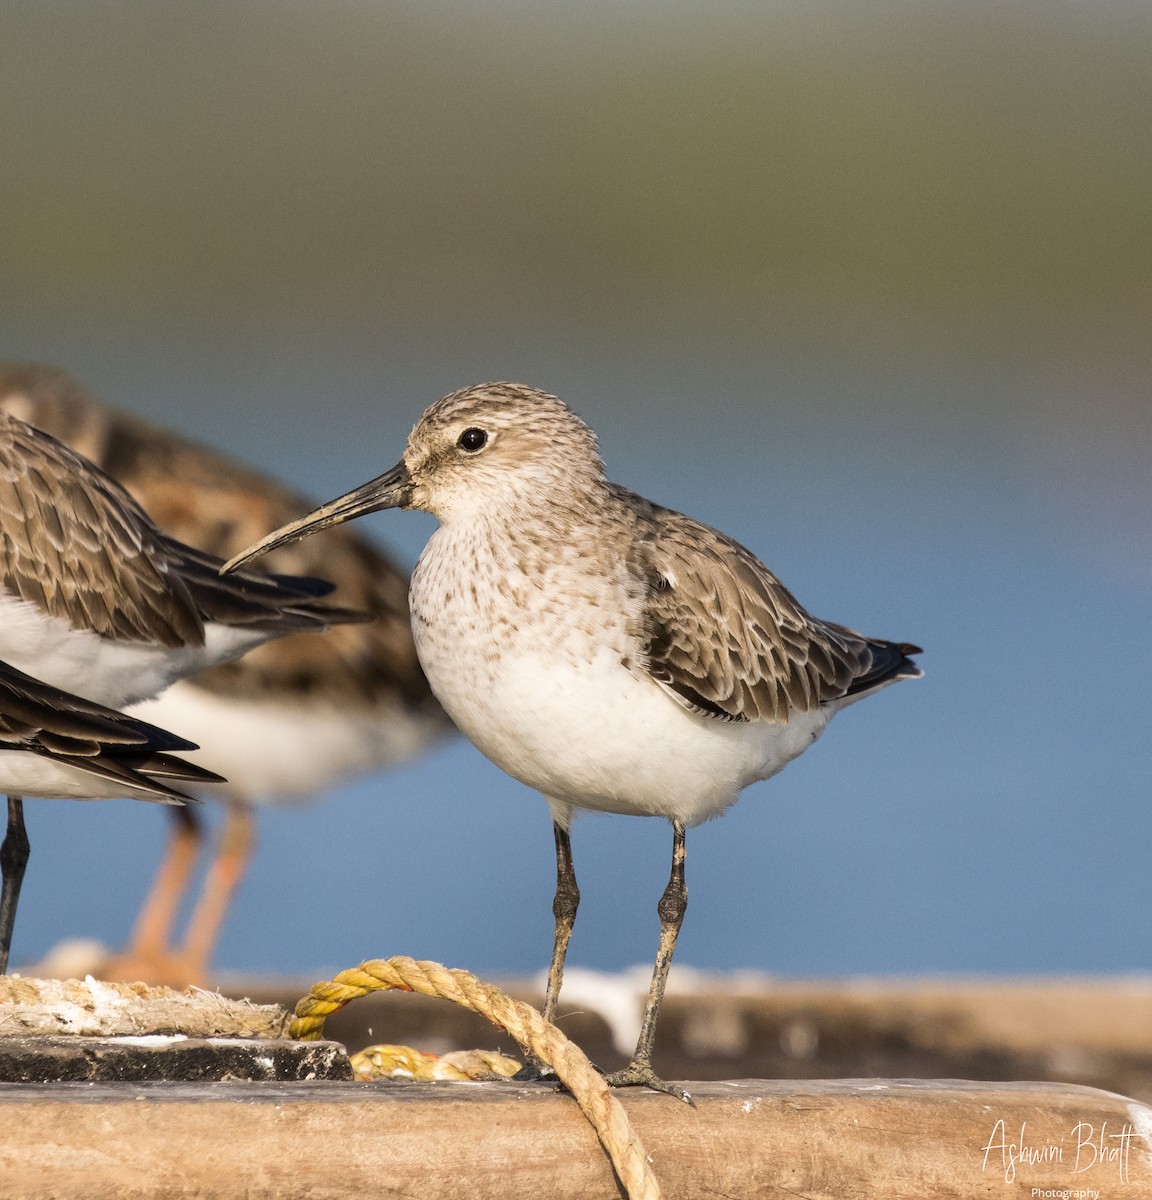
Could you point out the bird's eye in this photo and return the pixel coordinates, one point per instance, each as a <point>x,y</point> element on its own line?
<point>472,440</point>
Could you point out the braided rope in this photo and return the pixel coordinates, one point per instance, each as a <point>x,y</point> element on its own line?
<point>523,1022</point>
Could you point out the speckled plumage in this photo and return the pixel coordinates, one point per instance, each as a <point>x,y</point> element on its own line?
<point>550,601</point>
<point>611,653</point>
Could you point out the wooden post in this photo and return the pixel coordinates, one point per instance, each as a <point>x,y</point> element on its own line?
<point>824,1140</point>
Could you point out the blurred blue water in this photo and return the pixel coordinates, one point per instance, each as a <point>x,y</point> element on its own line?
<point>865,286</point>
<point>991,817</point>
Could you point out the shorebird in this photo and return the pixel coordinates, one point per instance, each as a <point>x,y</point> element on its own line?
<point>96,601</point>
<point>57,746</point>
<point>608,652</point>
<point>287,721</point>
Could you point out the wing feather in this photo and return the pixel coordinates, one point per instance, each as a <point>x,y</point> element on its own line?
<point>73,540</point>
<point>728,640</point>
<point>40,719</point>
<point>79,547</point>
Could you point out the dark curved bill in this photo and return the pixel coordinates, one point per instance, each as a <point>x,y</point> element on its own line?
<point>393,489</point>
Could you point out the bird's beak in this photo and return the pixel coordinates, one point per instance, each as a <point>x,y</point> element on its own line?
<point>393,489</point>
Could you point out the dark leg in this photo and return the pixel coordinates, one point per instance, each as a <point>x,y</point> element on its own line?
<point>13,859</point>
<point>564,906</point>
<point>671,908</point>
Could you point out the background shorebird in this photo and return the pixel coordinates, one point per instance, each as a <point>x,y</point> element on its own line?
<point>57,746</point>
<point>610,653</point>
<point>288,720</point>
<point>96,601</point>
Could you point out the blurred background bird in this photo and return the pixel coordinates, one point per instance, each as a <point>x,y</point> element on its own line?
<point>98,605</point>
<point>284,723</point>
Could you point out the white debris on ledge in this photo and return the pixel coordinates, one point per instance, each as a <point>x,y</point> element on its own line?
<point>92,1008</point>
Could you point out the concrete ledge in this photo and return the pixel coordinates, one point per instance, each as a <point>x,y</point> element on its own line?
<point>835,1139</point>
<point>96,1008</point>
<point>178,1058</point>
<point>1096,1032</point>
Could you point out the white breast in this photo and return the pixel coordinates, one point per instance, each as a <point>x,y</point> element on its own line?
<point>534,676</point>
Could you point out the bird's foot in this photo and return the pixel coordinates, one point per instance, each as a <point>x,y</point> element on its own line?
<point>166,968</point>
<point>535,1071</point>
<point>641,1075</point>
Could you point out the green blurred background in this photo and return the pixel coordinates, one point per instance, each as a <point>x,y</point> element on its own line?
<point>866,285</point>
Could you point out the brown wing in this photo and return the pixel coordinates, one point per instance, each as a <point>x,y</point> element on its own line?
<point>209,500</point>
<point>727,638</point>
<point>77,545</point>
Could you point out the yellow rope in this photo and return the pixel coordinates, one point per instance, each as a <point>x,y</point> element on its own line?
<point>523,1022</point>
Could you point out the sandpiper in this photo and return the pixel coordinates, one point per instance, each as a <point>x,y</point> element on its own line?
<point>610,653</point>
<point>287,721</point>
<point>60,747</point>
<point>96,601</point>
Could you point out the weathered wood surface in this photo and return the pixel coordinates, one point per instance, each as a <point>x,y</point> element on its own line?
<point>832,1140</point>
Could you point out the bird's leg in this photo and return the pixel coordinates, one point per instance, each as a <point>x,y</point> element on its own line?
<point>149,947</point>
<point>671,908</point>
<point>225,875</point>
<point>13,859</point>
<point>564,906</point>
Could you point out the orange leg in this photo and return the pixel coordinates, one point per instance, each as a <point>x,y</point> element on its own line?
<point>152,933</point>
<point>149,956</point>
<point>225,875</point>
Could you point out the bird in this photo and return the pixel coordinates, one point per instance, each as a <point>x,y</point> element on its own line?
<point>57,746</point>
<point>287,721</point>
<point>611,653</point>
<point>97,602</point>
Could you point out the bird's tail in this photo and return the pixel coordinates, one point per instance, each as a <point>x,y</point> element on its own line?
<point>891,661</point>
